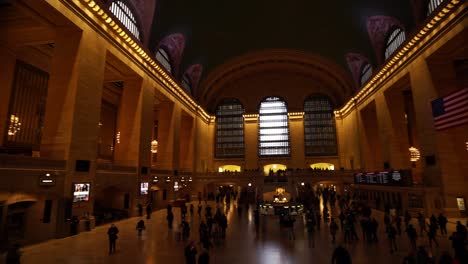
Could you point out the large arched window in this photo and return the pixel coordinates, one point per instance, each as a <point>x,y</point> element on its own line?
<point>365,73</point>
<point>395,39</point>
<point>186,83</point>
<point>229,129</point>
<point>433,4</point>
<point>125,15</point>
<point>163,58</point>
<point>319,127</point>
<point>273,128</point>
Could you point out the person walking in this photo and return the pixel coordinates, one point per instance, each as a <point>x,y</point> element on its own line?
<point>149,210</point>
<point>204,258</point>
<point>140,226</point>
<point>190,253</point>
<point>170,219</point>
<point>412,235</point>
<point>333,229</point>
<point>112,234</point>
<point>199,210</point>
<point>432,234</point>
<point>311,231</point>
<point>443,224</point>
<point>398,224</point>
<point>191,209</point>
<point>140,210</point>
<point>13,255</point>
<point>407,219</point>
<point>391,233</point>
<point>422,223</point>
<point>341,256</point>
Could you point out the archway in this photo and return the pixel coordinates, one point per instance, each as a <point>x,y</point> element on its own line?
<point>322,166</point>
<point>271,169</point>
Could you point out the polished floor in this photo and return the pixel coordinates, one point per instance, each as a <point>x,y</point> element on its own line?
<point>242,245</point>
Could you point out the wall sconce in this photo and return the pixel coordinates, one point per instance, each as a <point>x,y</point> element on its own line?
<point>414,154</point>
<point>14,125</point>
<point>154,146</point>
<point>117,138</point>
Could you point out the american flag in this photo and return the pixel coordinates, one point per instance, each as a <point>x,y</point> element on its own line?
<point>451,110</point>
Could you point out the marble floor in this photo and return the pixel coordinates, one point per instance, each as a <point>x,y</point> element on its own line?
<point>242,245</point>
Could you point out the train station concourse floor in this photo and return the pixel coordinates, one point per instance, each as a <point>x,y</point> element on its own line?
<point>243,243</point>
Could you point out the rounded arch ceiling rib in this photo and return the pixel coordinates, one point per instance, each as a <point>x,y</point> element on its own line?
<point>324,70</point>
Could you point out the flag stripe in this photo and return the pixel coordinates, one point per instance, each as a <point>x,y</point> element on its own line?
<point>455,117</point>
<point>451,110</point>
<point>457,105</point>
<point>457,93</point>
<point>448,114</point>
<point>457,100</point>
<point>461,122</point>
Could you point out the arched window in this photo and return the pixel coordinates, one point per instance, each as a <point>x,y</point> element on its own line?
<point>433,4</point>
<point>186,83</point>
<point>365,73</point>
<point>273,128</point>
<point>319,127</point>
<point>229,129</point>
<point>163,58</point>
<point>396,38</point>
<point>125,15</point>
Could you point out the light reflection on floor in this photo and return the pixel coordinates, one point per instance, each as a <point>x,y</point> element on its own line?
<point>243,244</point>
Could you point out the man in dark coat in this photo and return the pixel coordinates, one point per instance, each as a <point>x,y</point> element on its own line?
<point>112,234</point>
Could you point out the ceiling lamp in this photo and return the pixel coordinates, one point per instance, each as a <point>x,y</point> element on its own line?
<point>154,146</point>
<point>414,154</point>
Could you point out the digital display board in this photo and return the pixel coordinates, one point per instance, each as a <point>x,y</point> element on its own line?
<point>395,178</point>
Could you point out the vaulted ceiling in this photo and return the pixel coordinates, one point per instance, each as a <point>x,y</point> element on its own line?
<point>217,31</point>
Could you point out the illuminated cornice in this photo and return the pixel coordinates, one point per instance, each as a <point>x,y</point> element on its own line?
<point>296,115</point>
<point>250,117</point>
<point>108,23</point>
<point>404,54</point>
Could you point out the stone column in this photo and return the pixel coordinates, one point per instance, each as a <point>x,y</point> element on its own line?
<point>72,112</point>
<point>251,144</point>
<point>296,138</point>
<point>187,140</point>
<point>168,136</point>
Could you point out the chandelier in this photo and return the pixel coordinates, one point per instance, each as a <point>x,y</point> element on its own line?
<point>14,125</point>
<point>414,154</point>
<point>154,146</point>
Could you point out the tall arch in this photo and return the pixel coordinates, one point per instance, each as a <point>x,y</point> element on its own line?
<point>124,11</point>
<point>229,129</point>
<point>174,46</point>
<point>275,69</point>
<point>357,65</point>
<point>319,126</point>
<point>273,128</point>
<point>395,38</point>
<point>378,28</point>
<point>193,75</point>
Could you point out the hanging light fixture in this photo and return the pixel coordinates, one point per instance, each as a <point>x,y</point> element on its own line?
<point>414,154</point>
<point>14,125</point>
<point>154,146</point>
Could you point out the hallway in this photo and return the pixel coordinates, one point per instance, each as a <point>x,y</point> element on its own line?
<point>158,245</point>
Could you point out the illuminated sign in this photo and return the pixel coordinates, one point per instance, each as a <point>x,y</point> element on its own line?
<point>47,181</point>
<point>144,188</point>
<point>81,192</point>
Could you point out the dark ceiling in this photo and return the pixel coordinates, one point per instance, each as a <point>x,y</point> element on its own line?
<point>218,30</point>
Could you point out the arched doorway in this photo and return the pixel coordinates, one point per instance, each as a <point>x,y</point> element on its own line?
<point>16,221</point>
